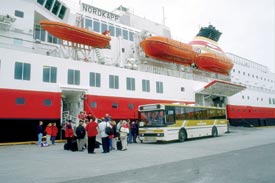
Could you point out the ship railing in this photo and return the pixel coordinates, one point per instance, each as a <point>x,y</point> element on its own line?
<point>257,88</point>
<point>247,63</point>
<point>261,89</point>
<point>187,74</point>
<point>66,116</point>
<point>28,46</point>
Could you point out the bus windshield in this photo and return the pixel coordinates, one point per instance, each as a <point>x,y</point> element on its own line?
<point>152,118</point>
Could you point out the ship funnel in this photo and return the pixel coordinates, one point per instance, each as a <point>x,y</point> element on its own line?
<point>210,32</point>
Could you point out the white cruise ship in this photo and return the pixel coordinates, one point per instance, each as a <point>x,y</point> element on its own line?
<point>44,77</point>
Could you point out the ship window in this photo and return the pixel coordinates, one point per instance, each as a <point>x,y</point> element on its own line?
<point>233,70</point>
<point>131,106</point>
<point>41,2</point>
<point>56,7</point>
<point>182,89</point>
<point>257,98</point>
<point>125,34</point>
<point>261,99</point>
<point>49,74</point>
<point>248,74</point>
<point>88,24</point>
<point>239,72</point>
<point>123,50</point>
<point>96,26</point>
<point>62,12</point>
<point>49,4</point>
<point>39,33</point>
<point>112,30</point>
<point>47,102</point>
<point>253,75</point>
<point>113,82</point>
<point>93,104</point>
<point>95,79</point>
<point>20,101</point>
<point>52,39</point>
<point>270,102</point>
<point>22,71</point>
<point>145,85</point>
<point>130,84</point>
<point>18,13</point>
<point>242,97</point>
<point>131,36</point>
<point>257,77</point>
<point>115,105</point>
<point>73,77</point>
<point>248,97</point>
<point>118,31</point>
<point>274,101</point>
<point>159,87</point>
<point>103,27</point>
<point>243,73</point>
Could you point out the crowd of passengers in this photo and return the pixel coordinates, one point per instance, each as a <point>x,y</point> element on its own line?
<point>91,133</point>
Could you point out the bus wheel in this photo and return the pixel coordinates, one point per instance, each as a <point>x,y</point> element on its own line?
<point>182,135</point>
<point>214,131</point>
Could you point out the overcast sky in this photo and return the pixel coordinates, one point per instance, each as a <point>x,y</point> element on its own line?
<point>247,25</point>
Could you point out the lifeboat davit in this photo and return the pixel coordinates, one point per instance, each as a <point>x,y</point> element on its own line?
<point>169,50</point>
<point>211,57</point>
<point>76,34</point>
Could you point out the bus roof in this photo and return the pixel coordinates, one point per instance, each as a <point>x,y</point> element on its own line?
<point>182,105</point>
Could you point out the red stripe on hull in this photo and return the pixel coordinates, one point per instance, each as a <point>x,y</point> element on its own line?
<point>246,112</point>
<point>33,108</point>
<point>104,105</point>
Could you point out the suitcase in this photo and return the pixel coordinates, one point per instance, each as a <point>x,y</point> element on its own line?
<point>97,144</point>
<point>66,146</point>
<point>119,145</point>
<point>74,146</point>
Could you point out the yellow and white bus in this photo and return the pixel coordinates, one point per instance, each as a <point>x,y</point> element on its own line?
<point>167,122</point>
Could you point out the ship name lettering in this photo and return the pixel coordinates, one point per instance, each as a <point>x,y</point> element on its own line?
<point>99,12</point>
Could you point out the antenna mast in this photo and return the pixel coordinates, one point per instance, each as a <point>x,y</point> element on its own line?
<point>163,16</point>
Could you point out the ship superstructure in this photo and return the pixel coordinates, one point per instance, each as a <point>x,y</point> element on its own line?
<point>45,78</point>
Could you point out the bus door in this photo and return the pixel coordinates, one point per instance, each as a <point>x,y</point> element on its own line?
<point>170,115</point>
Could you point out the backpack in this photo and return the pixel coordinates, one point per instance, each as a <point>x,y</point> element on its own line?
<point>109,130</point>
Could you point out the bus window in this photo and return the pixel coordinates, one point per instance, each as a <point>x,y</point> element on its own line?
<point>189,113</point>
<point>152,118</point>
<point>170,116</point>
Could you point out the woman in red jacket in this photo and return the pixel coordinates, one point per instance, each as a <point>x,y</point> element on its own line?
<point>48,131</point>
<point>69,133</point>
<point>91,129</point>
<point>54,133</point>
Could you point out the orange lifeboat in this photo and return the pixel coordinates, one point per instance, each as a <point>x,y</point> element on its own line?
<point>166,49</point>
<point>75,34</point>
<point>211,57</point>
<point>213,62</point>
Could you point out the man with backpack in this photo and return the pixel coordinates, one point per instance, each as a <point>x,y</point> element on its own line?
<point>80,134</point>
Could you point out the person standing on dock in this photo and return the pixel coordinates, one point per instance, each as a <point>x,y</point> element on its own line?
<point>48,132</point>
<point>54,133</point>
<point>40,133</point>
<point>91,129</point>
<point>69,133</point>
